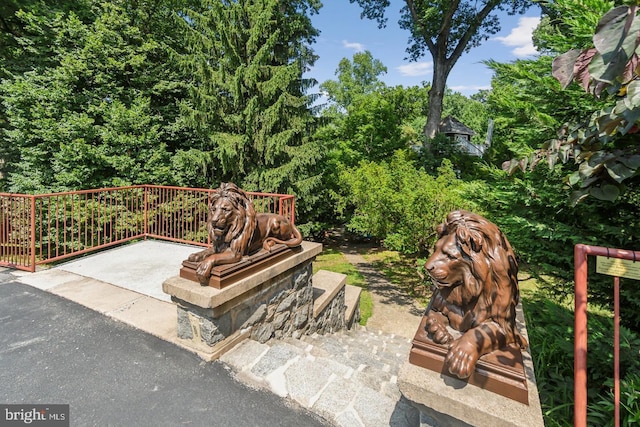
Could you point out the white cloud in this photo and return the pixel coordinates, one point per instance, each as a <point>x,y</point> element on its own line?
<point>469,89</point>
<point>415,69</point>
<point>358,47</point>
<point>520,37</point>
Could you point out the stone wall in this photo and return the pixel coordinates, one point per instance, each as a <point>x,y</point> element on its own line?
<point>331,319</point>
<point>276,302</point>
<point>288,312</point>
<point>279,307</point>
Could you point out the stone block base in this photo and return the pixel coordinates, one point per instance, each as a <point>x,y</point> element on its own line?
<point>446,401</point>
<point>331,319</point>
<point>274,302</point>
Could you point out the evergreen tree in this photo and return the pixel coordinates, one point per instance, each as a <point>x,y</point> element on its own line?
<point>103,109</point>
<point>27,35</point>
<point>248,101</point>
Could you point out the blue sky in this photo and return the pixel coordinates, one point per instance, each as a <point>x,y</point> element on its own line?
<point>343,33</point>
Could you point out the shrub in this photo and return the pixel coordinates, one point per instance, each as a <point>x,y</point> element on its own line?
<point>402,205</point>
<point>535,214</point>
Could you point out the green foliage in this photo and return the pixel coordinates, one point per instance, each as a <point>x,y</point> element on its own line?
<point>603,145</point>
<point>365,119</point>
<point>356,77</point>
<point>400,204</point>
<point>29,29</point>
<point>103,111</point>
<point>371,128</point>
<point>602,411</point>
<point>528,106</point>
<point>536,215</point>
<point>567,24</point>
<point>191,168</point>
<point>247,95</point>
<point>550,329</point>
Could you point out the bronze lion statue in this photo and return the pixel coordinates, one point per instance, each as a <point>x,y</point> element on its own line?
<point>236,230</point>
<point>474,273</point>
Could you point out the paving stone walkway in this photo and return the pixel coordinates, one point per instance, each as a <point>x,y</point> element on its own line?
<point>348,378</point>
<point>394,311</point>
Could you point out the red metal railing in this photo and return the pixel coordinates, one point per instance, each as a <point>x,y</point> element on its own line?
<point>580,329</point>
<point>36,229</point>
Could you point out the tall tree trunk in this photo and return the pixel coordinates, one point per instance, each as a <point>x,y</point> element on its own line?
<point>436,94</point>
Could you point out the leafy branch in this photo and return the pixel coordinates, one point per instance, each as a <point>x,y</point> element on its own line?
<point>602,145</point>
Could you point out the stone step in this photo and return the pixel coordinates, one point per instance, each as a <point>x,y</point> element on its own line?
<point>359,344</point>
<point>352,301</point>
<point>349,378</point>
<point>326,285</point>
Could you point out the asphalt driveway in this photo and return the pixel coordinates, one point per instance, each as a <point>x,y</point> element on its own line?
<point>55,351</point>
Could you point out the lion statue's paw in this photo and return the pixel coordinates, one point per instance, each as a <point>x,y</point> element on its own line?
<point>437,330</point>
<point>196,257</point>
<point>461,358</point>
<point>203,272</point>
<point>267,245</point>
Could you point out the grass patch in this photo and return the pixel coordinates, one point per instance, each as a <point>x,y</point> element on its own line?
<point>366,307</point>
<point>332,260</point>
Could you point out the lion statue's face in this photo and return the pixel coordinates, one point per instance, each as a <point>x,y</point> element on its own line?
<point>223,215</point>
<point>231,218</point>
<point>449,266</point>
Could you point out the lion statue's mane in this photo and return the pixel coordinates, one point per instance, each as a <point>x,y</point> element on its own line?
<point>239,234</point>
<point>236,230</point>
<point>474,272</point>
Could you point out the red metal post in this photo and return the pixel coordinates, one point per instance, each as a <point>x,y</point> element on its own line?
<point>580,362</point>
<point>146,210</point>
<point>616,349</point>
<point>293,210</point>
<point>48,224</point>
<point>32,260</point>
<point>580,341</point>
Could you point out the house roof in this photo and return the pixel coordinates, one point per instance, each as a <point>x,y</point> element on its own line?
<point>450,125</point>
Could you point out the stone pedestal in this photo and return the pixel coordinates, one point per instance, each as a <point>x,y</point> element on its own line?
<point>274,301</point>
